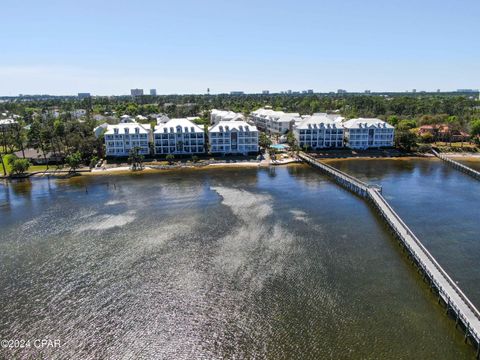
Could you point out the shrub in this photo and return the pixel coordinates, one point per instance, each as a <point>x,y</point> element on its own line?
<point>424,148</point>
<point>170,158</point>
<point>20,166</point>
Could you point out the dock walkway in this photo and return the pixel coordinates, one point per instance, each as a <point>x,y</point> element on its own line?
<point>456,302</point>
<point>463,168</point>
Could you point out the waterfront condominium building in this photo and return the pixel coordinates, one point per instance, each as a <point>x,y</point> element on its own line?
<point>367,133</point>
<point>179,136</point>
<point>318,132</point>
<point>222,115</point>
<point>275,122</point>
<point>233,137</point>
<point>121,138</point>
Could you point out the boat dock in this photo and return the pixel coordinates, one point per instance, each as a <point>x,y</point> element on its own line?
<point>457,304</point>
<point>463,168</point>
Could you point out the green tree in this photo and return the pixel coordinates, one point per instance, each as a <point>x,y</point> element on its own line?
<point>291,138</point>
<point>136,159</point>
<point>195,158</point>
<point>264,141</point>
<point>393,120</point>
<point>405,139</point>
<point>406,124</point>
<point>475,128</point>
<point>74,160</point>
<point>39,138</point>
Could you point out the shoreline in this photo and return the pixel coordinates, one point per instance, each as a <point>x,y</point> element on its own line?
<point>244,164</point>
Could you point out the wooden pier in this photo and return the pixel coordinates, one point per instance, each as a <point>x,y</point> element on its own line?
<point>351,183</point>
<point>457,304</point>
<point>463,168</point>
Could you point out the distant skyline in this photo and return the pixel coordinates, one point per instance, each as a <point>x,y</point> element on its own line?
<point>109,47</point>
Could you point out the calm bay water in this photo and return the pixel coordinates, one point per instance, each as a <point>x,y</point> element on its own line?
<point>440,204</point>
<point>230,264</point>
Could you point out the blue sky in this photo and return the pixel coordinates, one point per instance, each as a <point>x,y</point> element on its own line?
<point>184,46</point>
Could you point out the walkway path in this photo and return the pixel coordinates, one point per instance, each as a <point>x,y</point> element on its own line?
<point>467,170</point>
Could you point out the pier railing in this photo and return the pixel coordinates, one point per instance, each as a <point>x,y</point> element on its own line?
<point>448,289</point>
<point>383,205</point>
<point>361,187</point>
<point>467,170</point>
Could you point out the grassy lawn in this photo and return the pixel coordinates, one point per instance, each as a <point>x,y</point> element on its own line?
<point>457,146</point>
<point>454,144</point>
<point>32,168</point>
<point>6,166</point>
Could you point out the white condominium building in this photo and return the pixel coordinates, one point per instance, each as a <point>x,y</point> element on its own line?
<point>233,137</point>
<point>318,132</point>
<point>222,115</point>
<point>367,133</point>
<point>121,138</point>
<point>179,136</point>
<point>275,122</point>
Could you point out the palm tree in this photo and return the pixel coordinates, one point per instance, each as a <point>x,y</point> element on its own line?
<point>180,145</point>
<point>136,159</point>
<point>3,165</point>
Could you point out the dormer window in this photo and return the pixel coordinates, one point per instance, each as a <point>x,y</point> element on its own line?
<point>171,130</point>
<point>185,129</point>
<point>165,130</point>
<point>226,128</point>
<point>220,128</point>
<point>126,131</point>
<point>179,128</point>
<point>192,129</point>
<point>137,130</point>
<point>115,131</point>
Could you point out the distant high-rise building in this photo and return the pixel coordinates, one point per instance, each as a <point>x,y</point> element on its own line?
<point>414,90</point>
<point>341,91</point>
<point>136,92</point>
<point>289,92</point>
<point>310,91</point>
<point>467,90</point>
<point>438,90</point>
<point>83,95</point>
<point>367,91</point>
<point>153,92</point>
<point>237,93</point>
<point>265,92</point>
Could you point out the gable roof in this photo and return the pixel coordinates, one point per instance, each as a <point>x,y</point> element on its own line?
<point>363,123</point>
<point>174,123</point>
<point>319,121</point>
<point>232,125</point>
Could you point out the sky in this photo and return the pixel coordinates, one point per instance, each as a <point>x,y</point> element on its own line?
<point>107,47</point>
